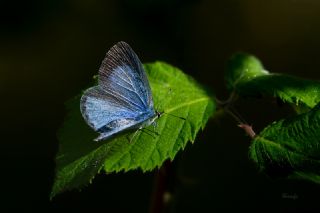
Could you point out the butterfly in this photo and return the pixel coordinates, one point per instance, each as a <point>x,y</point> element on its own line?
<point>122,100</point>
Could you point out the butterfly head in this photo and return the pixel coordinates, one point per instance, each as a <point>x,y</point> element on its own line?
<point>159,114</point>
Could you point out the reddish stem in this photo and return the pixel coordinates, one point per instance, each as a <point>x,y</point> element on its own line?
<point>248,129</point>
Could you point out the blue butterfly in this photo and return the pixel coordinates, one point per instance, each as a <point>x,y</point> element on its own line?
<point>122,100</point>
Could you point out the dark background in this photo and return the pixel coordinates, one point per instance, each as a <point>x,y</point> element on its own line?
<point>49,51</point>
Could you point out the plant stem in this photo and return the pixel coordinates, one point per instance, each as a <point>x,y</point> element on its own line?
<point>248,129</point>
<point>227,106</point>
<point>162,190</point>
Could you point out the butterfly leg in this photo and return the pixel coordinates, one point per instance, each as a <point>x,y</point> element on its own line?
<point>154,124</point>
<point>134,134</point>
<point>128,138</point>
<point>148,131</point>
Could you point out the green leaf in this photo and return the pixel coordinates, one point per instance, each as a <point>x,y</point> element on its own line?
<point>247,77</point>
<point>242,68</point>
<point>80,158</point>
<point>290,147</point>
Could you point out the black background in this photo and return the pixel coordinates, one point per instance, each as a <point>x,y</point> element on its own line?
<point>49,51</point>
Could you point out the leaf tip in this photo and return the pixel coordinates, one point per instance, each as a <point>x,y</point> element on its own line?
<point>242,67</point>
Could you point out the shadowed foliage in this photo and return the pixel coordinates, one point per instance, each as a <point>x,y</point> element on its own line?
<point>80,158</point>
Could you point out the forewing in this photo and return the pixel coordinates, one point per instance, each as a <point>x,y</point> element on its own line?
<point>121,74</point>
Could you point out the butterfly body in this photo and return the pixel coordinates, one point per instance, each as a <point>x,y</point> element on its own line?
<point>122,100</point>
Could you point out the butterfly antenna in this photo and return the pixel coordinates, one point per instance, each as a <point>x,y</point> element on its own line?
<point>168,92</point>
<point>175,116</point>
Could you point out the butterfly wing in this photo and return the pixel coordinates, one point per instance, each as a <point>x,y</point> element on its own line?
<point>122,99</point>
<point>121,71</point>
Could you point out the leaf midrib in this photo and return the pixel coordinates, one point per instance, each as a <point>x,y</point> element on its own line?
<point>280,146</point>
<point>187,104</point>
<point>170,110</point>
